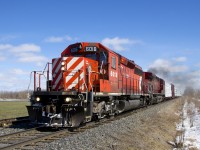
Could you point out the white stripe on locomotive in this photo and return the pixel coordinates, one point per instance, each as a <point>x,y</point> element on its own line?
<point>57,80</point>
<point>55,62</point>
<point>58,68</point>
<point>70,63</point>
<point>75,81</point>
<point>72,73</point>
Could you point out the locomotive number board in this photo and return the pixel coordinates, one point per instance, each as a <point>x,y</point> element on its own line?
<point>90,49</point>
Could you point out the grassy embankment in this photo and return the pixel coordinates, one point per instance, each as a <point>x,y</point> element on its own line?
<point>13,109</point>
<point>155,132</point>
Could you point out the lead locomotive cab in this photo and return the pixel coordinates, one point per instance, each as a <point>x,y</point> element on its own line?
<point>88,81</point>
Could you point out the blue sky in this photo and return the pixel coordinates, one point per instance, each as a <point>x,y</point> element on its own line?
<point>163,36</point>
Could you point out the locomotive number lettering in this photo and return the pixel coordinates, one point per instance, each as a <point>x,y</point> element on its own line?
<point>90,49</point>
<point>113,74</point>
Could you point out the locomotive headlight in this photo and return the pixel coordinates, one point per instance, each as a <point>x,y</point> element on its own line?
<point>62,68</point>
<point>37,99</point>
<point>63,63</point>
<point>68,99</point>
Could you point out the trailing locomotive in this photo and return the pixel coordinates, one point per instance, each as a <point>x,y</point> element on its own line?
<point>90,81</point>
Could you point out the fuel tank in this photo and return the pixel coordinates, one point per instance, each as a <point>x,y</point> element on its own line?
<point>125,105</point>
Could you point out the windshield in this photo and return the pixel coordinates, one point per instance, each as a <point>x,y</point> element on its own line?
<point>91,56</point>
<point>74,55</point>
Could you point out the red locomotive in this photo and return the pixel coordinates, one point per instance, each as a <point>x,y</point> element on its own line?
<point>90,81</point>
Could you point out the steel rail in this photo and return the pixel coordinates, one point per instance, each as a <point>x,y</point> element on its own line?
<point>32,141</point>
<point>5,122</point>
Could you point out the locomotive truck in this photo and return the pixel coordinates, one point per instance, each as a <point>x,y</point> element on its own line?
<point>90,81</point>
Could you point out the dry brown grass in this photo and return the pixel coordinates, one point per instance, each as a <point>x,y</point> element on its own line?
<point>153,133</point>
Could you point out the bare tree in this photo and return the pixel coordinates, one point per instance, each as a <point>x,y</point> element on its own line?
<point>13,94</point>
<point>189,91</point>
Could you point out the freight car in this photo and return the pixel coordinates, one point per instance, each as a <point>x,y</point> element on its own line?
<point>154,88</point>
<point>169,91</point>
<point>90,81</point>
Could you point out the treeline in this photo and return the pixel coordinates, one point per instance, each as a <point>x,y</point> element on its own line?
<point>13,95</point>
<point>190,91</point>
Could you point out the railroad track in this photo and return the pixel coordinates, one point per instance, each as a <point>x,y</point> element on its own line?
<point>36,137</point>
<point>12,121</point>
<point>29,139</point>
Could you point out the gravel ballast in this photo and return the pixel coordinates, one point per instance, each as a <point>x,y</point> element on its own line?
<point>152,128</point>
<point>4,131</point>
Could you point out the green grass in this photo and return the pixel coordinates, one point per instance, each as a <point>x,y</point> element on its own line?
<point>13,109</point>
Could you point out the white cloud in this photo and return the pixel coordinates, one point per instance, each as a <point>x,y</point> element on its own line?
<point>190,78</point>
<point>32,57</point>
<point>119,44</point>
<point>58,39</point>
<point>20,48</point>
<point>4,50</point>
<point>23,53</point>
<point>25,48</point>
<point>17,79</point>
<point>53,39</point>
<point>5,46</point>
<point>172,71</point>
<point>167,66</point>
<point>4,38</point>
<point>68,38</point>
<point>180,59</point>
<point>2,58</point>
<point>16,82</point>
<point>18,71</point>
<point>197,65</point>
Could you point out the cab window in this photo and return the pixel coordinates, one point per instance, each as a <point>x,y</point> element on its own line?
<point>91,56</point>
<point>114,62</point>
<point>103,57</point>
